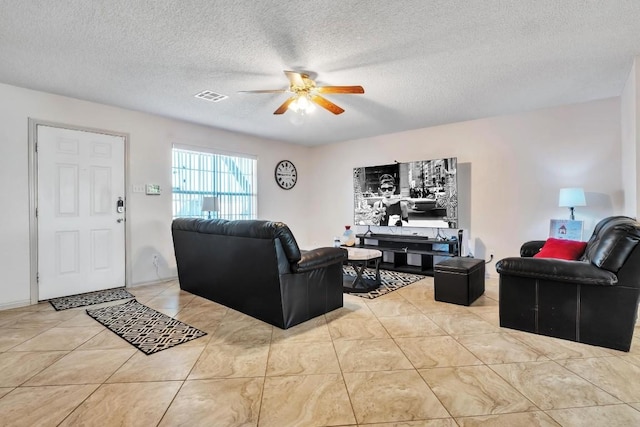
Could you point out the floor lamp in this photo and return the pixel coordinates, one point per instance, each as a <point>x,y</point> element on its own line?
<point>210,204</point>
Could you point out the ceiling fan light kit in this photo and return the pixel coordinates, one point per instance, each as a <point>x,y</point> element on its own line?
<point>302,104</point>
<point>306,94</point>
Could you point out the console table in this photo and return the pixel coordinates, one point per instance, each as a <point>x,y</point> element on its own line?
<point>409,254</point>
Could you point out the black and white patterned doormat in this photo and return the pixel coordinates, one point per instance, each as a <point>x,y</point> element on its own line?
<point>90,298</point>
<point>145,328</point>
<point>390,281</point>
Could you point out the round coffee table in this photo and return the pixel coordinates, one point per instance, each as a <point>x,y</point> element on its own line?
<point>359,258</point>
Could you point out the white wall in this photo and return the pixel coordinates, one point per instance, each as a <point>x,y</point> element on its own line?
<point>149,155</point>
<point>517,165</point>
<point>630,140</point>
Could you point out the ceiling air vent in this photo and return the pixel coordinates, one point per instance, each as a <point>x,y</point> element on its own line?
<point>209,95</point>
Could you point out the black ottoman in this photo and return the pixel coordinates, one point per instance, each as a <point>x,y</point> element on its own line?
<point>459,280</point>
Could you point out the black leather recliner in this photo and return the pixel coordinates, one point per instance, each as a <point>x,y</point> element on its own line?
<point>256,267</point>
<point>593,300</point>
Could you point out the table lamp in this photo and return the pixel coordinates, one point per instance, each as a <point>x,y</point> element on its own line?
<point>570,198</point>
<point>210,204</point>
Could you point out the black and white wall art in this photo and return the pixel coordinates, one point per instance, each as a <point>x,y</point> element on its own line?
<point>415,194</point>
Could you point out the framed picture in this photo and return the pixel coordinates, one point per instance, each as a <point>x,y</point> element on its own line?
<point>566,229</point>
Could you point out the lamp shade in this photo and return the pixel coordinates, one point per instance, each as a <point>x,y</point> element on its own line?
<point>210,204</point>
<point>571,197</point>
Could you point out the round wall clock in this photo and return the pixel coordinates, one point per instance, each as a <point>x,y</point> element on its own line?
<point>286,174</point>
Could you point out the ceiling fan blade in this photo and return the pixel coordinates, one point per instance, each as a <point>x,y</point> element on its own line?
<point>264,91</point>
<point>325,103</point>
<point>340,89</point>
<point>285,105</point>
<point>296,79</point>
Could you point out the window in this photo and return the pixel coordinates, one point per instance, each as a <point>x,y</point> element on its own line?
<point>230,178</point>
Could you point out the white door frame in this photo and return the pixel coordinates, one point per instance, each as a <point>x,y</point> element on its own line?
<point>33,199</point>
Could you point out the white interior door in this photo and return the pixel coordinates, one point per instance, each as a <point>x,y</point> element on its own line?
<point>81,234</point>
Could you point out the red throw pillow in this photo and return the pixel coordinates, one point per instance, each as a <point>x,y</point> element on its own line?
<point>561,249</point>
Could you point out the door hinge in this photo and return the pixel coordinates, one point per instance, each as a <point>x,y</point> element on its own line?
<point>37,277</point>
<point>36,212</point>
<point>36,147</point>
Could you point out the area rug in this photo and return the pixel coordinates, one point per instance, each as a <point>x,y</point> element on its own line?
<point>390,281</point>
<point>145,328</point>
<point>90,298</point>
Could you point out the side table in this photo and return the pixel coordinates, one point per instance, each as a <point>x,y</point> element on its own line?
<point>358,258</point>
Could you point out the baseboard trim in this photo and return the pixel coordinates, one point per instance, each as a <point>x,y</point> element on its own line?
<point>15,304</point>
<point>153,282</point>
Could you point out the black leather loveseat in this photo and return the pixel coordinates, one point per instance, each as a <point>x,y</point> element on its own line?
<point>257,268</point>
<point>593,300</point>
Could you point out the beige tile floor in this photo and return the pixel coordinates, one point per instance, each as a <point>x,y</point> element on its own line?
<point>399,360</point>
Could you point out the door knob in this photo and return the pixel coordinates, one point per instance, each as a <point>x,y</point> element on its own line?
<point>119,220</point>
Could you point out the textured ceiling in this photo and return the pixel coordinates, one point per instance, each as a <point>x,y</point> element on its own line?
<point>422,63</point>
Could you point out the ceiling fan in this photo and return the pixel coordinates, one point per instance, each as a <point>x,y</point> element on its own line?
<point>305,93</point>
